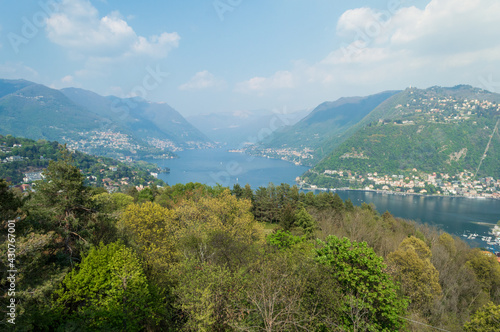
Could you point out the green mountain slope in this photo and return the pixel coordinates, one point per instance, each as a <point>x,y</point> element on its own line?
<point>94,124</point>
<point>321,131</point>
<point>439,130</point>
<point>40,112</point>
<point>145,119</point>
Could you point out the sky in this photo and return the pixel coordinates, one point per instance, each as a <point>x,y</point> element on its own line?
<point>210,56</point>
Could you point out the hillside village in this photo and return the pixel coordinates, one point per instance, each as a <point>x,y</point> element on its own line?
<point>25,165</point>
<point>422,108</point>
<point>120,146</point>
<point>441,109</point>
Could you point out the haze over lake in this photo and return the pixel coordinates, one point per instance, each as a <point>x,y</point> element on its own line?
<point>455,215</point>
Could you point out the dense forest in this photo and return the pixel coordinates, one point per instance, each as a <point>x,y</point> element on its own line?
<point>198,258</point>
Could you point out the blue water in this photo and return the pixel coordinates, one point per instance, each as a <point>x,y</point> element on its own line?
<point>216,166</point>
<point>457,216</point>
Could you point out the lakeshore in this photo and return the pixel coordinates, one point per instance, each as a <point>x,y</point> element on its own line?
<point>390,192</point>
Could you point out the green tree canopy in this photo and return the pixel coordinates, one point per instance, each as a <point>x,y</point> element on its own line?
<point>107,291</point>
<point>370,301</point>
<point>486,319</point>
<point>418,276</point>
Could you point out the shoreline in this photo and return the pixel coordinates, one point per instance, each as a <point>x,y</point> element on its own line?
<point>378,191</point>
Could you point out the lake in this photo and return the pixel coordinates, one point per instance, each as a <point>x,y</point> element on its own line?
<point>213,166</point>
<point>455,215</point>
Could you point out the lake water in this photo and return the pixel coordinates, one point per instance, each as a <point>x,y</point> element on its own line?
<point>214,166</point>
<point>457,216</point>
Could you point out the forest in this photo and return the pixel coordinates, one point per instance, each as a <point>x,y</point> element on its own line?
<point>198,258</point>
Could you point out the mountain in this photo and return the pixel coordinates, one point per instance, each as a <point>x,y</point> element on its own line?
<point>453,132</point>
<point>149,121</point>
<point>34,110</point>
<point>321,131</point>
<point>95,124</point>
<point>234,129</point>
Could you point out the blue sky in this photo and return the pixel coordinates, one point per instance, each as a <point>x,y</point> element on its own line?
<point>206,56</point>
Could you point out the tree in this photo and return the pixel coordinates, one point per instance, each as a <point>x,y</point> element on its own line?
<point>369,299</point>
<point>305,221</point>
<point>486,319</point>
<point>487,271</point>
<point>62,203</point>
<point>207,295</point>
<point>287,216</point>
<point>154,231</point>
<point>9,202</point>
<point>284,239</point>
<point>418,276</point>
<point>237,190</point>
<point>337,203</point>
<point>107,291</point>
<point>110,203</point>
<point>248,192</point>
<point>349,207</point>
<point>145,195</point>
<point>224,213</point>
<point>274,296</point>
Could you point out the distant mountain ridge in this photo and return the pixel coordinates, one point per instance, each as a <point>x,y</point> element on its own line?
<point>321,131</point>
<point>234,129</point>
<point>95,124</point>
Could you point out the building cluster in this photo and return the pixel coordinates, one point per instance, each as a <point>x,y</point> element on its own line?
<point>289,154</point>
<point>164,144</point>
<point>98,139</point>
<point>461,184</point>
<point>443,110</point>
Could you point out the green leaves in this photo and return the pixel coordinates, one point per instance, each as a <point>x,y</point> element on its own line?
<point>418,276</point>
<point>370,294</point>
<point>486,319</point>
<point>109,290</point>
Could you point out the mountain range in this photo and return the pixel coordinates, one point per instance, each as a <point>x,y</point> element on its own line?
<point>436,130</point>
<point>95,124</point>
<point>453,132</point>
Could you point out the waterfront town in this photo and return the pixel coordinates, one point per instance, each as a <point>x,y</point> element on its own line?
<point>462,184</point>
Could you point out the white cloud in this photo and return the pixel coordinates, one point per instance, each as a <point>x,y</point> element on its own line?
<point>202,80</point>
<point>447,42</point>
<point>280,80</point>
<point>78,27</point>
<point>67,79</point>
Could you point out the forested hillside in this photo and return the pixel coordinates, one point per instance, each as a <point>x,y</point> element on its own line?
<point>442,132</point>
<point>198,258</point>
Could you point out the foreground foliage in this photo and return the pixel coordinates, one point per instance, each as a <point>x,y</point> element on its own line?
<point>198,258</point>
